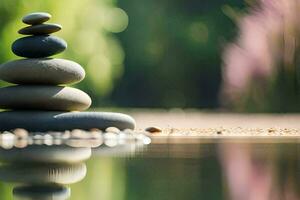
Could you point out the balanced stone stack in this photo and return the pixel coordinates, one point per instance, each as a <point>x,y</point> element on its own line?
<point>40,101</point>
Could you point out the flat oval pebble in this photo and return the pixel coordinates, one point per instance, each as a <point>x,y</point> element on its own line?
<point>40,29</point>
<point>43,98</point>
<point>41,71</point>
<point>58,121</point>
<point>38,46</point>
<point>36,18</point>
<point>153,129</point>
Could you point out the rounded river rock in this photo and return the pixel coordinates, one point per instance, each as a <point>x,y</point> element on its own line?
<point>41,71</point>
<point>43,98</point>
<point>38,46</point>
<point>36,18</point>
<point>40,29</point>
<point>58,121</point>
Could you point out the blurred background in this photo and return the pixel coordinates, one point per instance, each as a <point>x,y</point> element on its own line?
<point>232,55</point>
<point>217,55</point>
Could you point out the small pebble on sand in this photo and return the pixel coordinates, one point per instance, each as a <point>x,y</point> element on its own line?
<point>153,129</point>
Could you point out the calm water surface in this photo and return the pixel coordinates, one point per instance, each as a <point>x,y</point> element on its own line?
<point>220,169</point>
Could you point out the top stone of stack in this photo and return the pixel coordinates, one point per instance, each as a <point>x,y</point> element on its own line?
<point>36,18</point>
<point>40,44</point>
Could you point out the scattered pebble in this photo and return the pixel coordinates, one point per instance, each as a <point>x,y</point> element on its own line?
<point>5,136</point>
<point>79,134</point>
<point>58,135</point>
<point>48,139</point>
<point>271,130</point>
<point>153,129</point>
<point>21,143</point>
<point>95,135</point>
<point>21,138</point>
<point>57,141</point>
<point>38,137</point>
<point>66,135</point>
<point>95,130</point>
<point>110,139</point>
<point>20,133</point>
<point>128,131</point>
<point>110,136</point>
<point>7,144</point>
<point>112,130</point>
<point>83,143</point>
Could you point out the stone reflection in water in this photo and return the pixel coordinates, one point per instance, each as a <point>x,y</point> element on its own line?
<point>46,154</point>
<point>261,171</point>
<point>42,172</point>
<point>41,192</point>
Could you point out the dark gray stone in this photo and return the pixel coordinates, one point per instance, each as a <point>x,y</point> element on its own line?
<point>41,71</point>
<point>38,46</point>
<point>58,121</point>
<point>40,29</point>
<point>36,18</point>
<point>33,97</point>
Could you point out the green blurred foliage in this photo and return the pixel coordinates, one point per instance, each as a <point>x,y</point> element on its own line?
<point>5,191</point>
<point>173,52</point>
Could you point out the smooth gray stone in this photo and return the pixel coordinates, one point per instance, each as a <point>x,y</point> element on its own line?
<point>38,46</point>
<point>40,29</point>
<point>34,97</point>
<point>58,121</point>
<point>36,18</point>
<point>41,192</point>
<point>42,71</point>
<point>41,173</point>
<point>45,154</point>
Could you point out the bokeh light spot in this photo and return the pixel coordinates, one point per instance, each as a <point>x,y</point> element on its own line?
<point>115,20</point>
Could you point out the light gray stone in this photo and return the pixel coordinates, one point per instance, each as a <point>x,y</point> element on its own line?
<point>41,71</point>
<point>33,97</point>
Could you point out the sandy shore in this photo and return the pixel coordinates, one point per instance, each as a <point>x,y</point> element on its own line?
<point>198,124</point>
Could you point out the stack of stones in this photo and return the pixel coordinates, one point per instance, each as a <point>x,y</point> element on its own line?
<point>40,101</point>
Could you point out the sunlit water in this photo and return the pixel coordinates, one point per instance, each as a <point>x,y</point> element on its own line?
<point>204,169</point>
